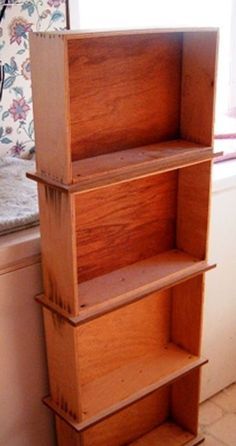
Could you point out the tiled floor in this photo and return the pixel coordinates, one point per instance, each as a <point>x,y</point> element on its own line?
<point>218,418</point>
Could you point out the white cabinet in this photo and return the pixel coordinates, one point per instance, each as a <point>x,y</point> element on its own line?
<point>23,375</point>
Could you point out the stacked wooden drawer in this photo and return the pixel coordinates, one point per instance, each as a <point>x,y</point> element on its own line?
<point>124,152</point>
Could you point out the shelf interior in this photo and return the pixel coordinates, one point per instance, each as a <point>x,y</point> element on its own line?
<point>138,162</point>
<point>168,434</point>
<point>138,376</point>
<point>138,279</point>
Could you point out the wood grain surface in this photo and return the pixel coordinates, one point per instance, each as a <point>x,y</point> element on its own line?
<point>124,91</point>
<point>124,223</point>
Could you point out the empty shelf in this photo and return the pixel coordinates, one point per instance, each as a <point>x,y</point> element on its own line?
<point>131,382</point>
<point>124,165</point>
<point>168,434</point>
<point>122,387</point>
<point>111,291</point>
<point>125,285</point>
<point>134,163</point>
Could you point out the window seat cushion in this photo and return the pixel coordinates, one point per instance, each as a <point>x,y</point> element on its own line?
<point>18,195</point>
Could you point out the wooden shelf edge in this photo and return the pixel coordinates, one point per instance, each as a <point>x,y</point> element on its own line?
<point>160,434</point>
<point>123,174</point>
<point>116,303</point>
<point>115,408</point>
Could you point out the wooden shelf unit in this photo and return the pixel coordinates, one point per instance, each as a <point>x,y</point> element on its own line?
<point>123,125</point>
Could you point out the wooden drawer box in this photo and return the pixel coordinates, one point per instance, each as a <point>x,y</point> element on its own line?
<point>113,93</point>
<point>122,241</point>
<point>124,151</point>
<point>127,358</point>
<point>166,417</point>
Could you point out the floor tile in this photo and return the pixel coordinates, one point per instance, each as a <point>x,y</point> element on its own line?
<point>224,429</point>
<point>210,441</point>
<point>209,413</point>
<point>226,399</point>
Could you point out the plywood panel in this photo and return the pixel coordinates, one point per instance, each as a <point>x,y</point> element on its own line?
<point>185,401</point>
<point>187,307</point>
<point>122,336</point>
<point>193,209</point>
<point>130,423</point>
<point>124,91</point>
<point>58,248</point>
<point>66,436</point>
<point>198,86</point>
<point>121,224</point>
<point>62,364</point>
<point>168,434</point>
<point>50,102</point>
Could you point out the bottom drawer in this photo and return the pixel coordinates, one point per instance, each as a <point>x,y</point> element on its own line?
<point>167,417</point>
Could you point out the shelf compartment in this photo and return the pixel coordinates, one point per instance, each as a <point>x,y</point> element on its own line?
<point>132,283</point>
<point>123,225</point>
<point>119,358</point>
<point>161,416</point>
<point>128,387</point>
<point>135,89</point>
<point>139,162</point>
<point>110,291</point>
<point>168,434</point>
<point>136,380</point>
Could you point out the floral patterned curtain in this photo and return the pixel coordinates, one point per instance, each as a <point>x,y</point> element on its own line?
<point>16,116</point>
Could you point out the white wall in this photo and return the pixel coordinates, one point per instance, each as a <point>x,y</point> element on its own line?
<point>219,327</point>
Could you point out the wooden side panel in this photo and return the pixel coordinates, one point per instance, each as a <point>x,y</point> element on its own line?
<point>114,340</point>
<point>124,91</point>
<point>48,60</point>
<point>131,423</point>
<point>185,401</point>
<point>62,364</point>
<point>66,436</point>
<point>193,209</point>
<point>58,248</point>
<point>124,223</point>
<point>187,305</point>
<point>198,86</point>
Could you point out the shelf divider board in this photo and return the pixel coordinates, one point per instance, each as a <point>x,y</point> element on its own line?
<point>137,162</point>
<point>186,363</point>
<point>198,89</point>
<point>104,170</point>
<point>131,283</point>
<point>168,434</point>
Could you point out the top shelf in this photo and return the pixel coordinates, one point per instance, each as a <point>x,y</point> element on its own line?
<point>103,94</point>
<point>124,165</point>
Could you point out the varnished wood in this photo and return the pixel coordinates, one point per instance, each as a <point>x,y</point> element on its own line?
<point>111,91</point>
<point>141,169</point>
<point>185,410</point>
<point>48,61</point>
<point>58,248</point>
<point>62,364</point>
<point>141,360</point>
<point>133,221</point>
<point>187,308</point>
<point>124,133</point>
<point>198,86</point>
<point>170,270</point>
<point>193,209</point>
<point>168,434</point>
<point>137,98</point>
